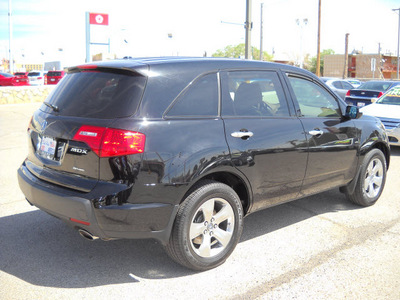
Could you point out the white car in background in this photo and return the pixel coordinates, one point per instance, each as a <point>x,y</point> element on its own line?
<point>387,109</point>
<point>36,77</point>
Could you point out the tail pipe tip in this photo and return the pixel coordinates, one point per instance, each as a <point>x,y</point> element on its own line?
<point>87,235</point>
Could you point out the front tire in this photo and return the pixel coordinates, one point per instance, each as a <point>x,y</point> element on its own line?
<point>371,180</point>
<point>207,228</point>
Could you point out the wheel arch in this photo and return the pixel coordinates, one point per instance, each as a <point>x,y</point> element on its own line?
<point>238,184</point>
<point>385,150</point>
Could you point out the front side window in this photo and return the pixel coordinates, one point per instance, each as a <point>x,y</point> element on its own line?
<point>253,94</point>
<point>314,101</point>
<point>199,100</point>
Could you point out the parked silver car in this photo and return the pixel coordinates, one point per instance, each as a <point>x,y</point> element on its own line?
<point>339,86</point>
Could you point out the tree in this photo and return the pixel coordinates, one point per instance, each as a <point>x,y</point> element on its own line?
<point>312,63</point>
<point>237,51</point>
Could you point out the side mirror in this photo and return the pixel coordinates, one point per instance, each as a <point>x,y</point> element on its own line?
<point>353,112</point>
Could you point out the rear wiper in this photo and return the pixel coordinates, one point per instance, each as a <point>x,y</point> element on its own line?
<point>53,107</point>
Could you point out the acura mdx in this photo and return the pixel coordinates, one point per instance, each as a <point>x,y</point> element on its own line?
<point>182,149</point>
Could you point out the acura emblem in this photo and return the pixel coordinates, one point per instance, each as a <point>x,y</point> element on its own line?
<point>44,125</point>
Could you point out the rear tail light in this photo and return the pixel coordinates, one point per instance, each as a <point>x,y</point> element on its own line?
<point>109,142</point>
<point>380,94</point>
<point>348,93</point>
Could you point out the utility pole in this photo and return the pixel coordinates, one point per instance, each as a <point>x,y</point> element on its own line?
<point>261,33</point>
<point>248,26</point>
<point>398,42</point>
<point>346,56</point>
<point>318,72</point>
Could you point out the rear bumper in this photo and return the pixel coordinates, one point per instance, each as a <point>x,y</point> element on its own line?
<point>132,221</point>
<point>358,101</point>
<point>394,136</point>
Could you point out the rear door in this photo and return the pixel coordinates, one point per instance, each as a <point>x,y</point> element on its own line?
<point>266,141</point>
<point>332,139</point>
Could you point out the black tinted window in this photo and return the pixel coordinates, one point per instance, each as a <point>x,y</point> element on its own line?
<point>53,74</point>
<point>314,101</point>
<point>374,85</point>
<point>253,94</point>
<point>97,95</point>
<point>200,99</point>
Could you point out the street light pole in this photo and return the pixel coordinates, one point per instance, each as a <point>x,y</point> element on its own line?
<point>317,71</point>
<point>261,33</point>
<point>248,25</point>
<point>301,23</point>
<point>10,58</point>
<point>398,42</point>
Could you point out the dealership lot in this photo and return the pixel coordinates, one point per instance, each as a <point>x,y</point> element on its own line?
<point>320,247</point>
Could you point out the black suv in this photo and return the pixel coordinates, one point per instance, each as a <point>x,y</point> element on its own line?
<point>181,150</point>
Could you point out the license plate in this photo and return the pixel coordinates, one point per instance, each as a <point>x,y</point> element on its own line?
<point>360,104</point>
<point>47,147</point>
<point>52,79</point>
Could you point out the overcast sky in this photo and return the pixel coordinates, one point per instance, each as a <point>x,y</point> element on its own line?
<point>141,28</point>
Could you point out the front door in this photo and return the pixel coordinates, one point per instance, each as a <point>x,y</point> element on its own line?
<point>333,139</point>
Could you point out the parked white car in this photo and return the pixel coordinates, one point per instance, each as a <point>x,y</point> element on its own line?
<point>36,77</point>
<point>387,108</point>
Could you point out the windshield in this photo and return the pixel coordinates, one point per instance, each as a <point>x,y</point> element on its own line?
<point>96,94</point>
<point>392,97</point>
<point>6,75</point>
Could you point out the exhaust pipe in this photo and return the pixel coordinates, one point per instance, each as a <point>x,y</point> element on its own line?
<point>87,235</point>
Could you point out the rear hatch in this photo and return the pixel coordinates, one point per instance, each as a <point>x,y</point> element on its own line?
<point>35,77</point>
<point>53,77</point>
<point>69,133</point>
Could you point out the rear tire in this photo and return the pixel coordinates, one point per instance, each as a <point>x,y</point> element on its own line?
<point>207,227</point>
<point>371,180</point>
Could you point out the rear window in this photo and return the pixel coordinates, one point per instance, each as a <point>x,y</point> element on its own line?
<point>34,74</point>
<point>103,95</point>
<point>54,74</point>
<point>376,86</point>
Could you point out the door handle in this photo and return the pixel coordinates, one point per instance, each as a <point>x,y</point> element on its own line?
<point>316,132</point>
<point>242,134</point>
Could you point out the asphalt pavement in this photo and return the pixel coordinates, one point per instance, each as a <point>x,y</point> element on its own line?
<point>319,247</point>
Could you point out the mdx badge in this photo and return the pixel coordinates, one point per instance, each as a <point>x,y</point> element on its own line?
<point>77,151</point>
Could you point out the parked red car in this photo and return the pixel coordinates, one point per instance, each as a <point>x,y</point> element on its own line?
<point>23,77</point>
<point>7,79</point>
<point>53,77</point>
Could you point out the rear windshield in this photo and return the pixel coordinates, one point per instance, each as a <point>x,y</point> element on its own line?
<point>103,95</point>
<point>53,74</point>
<point>34,74</point>
<point>376,86</point>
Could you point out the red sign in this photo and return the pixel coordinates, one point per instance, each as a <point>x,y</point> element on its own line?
<point>98,19</point>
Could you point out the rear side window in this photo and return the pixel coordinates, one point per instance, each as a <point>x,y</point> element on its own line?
<point>253,94</point>
<point>103,95</point>
<point>199,100</point>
